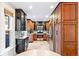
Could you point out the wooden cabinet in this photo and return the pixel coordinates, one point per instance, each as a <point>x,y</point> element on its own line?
<point>45,37</point>
<point>65,28</point>
<point>47,25</point>
<point>34,37</point>
<point>20,20</point>
<point>30,24</point>
<point>69,11</point>
<point>57,37</point>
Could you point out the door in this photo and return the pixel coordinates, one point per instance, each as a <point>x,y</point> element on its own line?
<point>69,39</point>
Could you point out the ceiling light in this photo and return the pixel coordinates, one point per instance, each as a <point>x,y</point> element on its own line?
<point>30,7</point>
<point>46,16</point>
<point>34,16</point>
<point>51,6</point>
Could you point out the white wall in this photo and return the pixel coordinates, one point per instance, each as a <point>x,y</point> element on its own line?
<point>11,49</point>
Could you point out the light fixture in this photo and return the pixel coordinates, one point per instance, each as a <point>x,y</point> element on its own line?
<point>30,7</point>
<point>51,6</point>
<point>46,16</point>
<point>34,16</point>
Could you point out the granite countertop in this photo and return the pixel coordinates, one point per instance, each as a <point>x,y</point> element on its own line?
<point>35,32</point>
<point>21,35</point>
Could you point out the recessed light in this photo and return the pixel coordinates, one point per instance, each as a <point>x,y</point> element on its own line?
<point>30,7</point>
<point>51,6</point>
<point>46,16</point>
<point>34,16</point>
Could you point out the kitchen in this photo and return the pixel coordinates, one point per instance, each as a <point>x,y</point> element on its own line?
<point>39,27</point>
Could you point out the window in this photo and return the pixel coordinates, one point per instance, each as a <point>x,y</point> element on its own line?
<point>8,27</point>
<point>7,39</point>
<point>7,22</point>
<point>7,32</point>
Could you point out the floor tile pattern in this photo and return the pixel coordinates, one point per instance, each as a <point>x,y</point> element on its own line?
<point>38,48</point>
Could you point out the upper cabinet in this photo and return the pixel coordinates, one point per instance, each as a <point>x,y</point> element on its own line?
<point>20,17</point>
<point>69,11</point>
<point>47,24</point>
<point>30,25</point>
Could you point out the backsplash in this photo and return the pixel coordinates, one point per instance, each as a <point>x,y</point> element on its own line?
<point>20,34</point>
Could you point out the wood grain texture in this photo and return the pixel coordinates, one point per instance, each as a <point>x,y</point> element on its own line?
<point>65,28</point>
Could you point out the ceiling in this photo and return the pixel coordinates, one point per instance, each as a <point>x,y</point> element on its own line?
<point>40,10</point>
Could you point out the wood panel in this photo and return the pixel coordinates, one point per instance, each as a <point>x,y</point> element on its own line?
<point>69,48</point>
<point>59,13</point>
<point>53,27</point>
<point>47,25</point>
<point>69,39</point>
<point>58,37</point>
<point>30,24</point>
<point>34,37</point>
<point>69,11</point>
<point>65,27</point>
<point>45,37</point>
<point>69,32</point>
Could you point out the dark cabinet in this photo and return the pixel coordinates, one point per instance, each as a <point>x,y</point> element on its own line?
<point>19,19</point>
<point>21,45</point>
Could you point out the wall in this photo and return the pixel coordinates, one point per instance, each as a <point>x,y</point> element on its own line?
<point>11,49</point>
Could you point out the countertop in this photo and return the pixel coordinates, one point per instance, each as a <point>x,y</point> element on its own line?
<point>21,34</point>
<point>22,37</point>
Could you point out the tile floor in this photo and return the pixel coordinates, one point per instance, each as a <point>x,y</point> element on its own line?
<point>38,48</point>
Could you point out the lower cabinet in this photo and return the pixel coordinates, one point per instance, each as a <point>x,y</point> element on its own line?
<point>21,45</point>
<point>34,37</point>
<point>69,49</point>
<point>45,37</point>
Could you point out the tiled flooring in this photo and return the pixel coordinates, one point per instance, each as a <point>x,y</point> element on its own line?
<point>39,45</point>
<point>38,48</point>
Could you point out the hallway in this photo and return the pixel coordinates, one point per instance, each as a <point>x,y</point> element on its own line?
<point>38,48</point>
<point>39,29</point>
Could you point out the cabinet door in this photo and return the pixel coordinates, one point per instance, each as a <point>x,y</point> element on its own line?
<point>58,38</point>
<point>69,32</point>
<point>34,37</point>
<point>45,37</point>
<point>69,39</point>
<point>22,21</point>
<point>69,49</point>
<point>59,13</point>
<point>18,24</point>
<point>53,27</point>
<point>20,45</point>
<point>69,11</point>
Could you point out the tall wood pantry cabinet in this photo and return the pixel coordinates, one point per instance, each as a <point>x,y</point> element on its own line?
<point>65,28</point>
